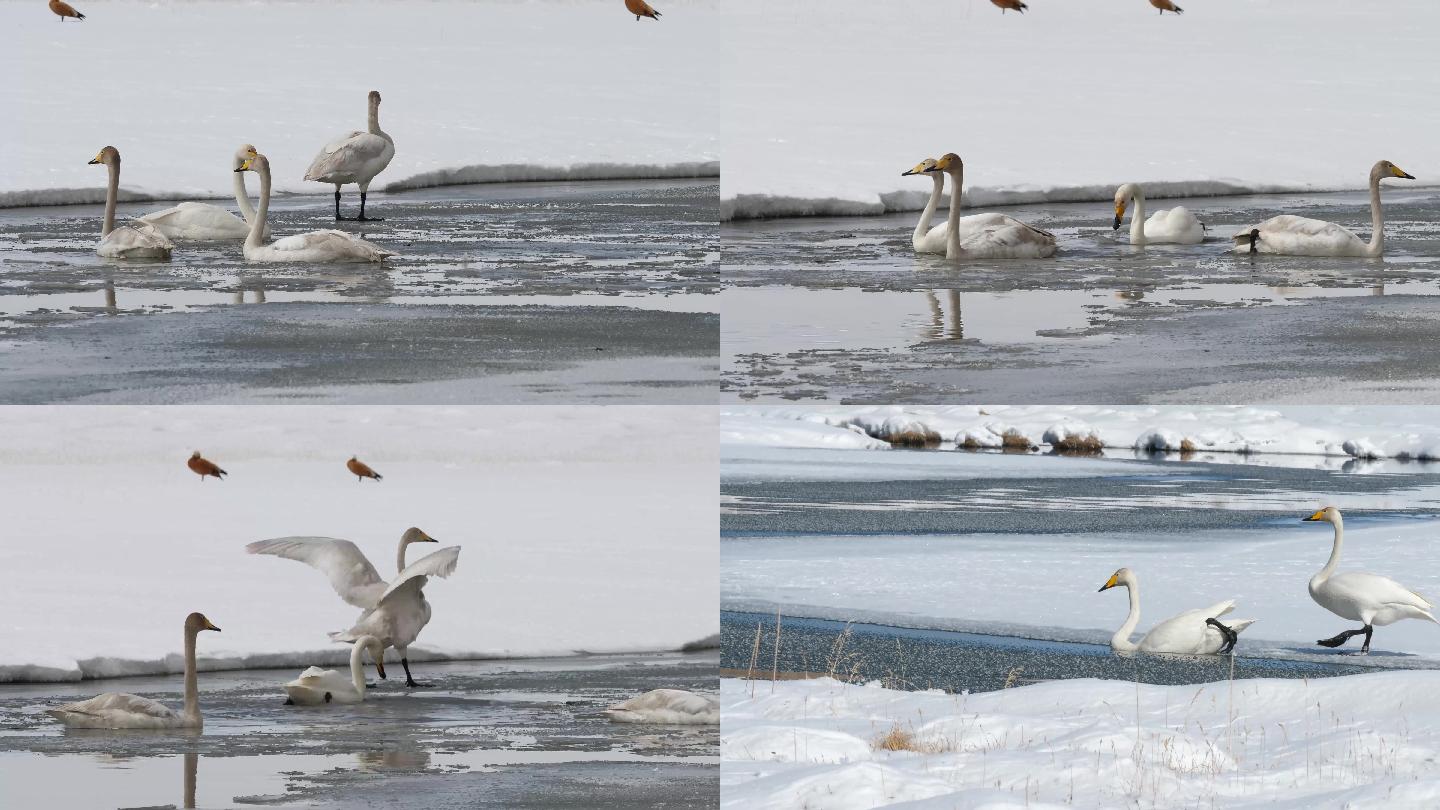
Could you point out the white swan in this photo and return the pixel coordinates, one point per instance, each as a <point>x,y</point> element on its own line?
<point>395,612</point>
<point>355,157</point>
<point>203,221</point>
<point>932,240</point>
<point>1358,596</point>
<point>1011,240</point>
<point>120,710</point>
<point>317,686</point>
<point>1302,236</point>
<point>314,246</point>
<point>1194,632</point>
<point>672,706</point>
<point>138,240</point>
<point>1174,226</point>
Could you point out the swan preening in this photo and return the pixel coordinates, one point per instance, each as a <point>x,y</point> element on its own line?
<point>672,706</point>
<point>355,157</point>
<point>979,236</point>
<point>1194,632</point>
<point>121,710</point>
<point>317,686</point>
<point>202,467</point>
<point>138,240</point>
<point>1302,236</point>
<point>1175,225</point>
<point>64,9</point>
<point>203,221</point>
<point>314,246</point>
<point>1367,598</point>
<point>395,612</point>
<point>640,8</point>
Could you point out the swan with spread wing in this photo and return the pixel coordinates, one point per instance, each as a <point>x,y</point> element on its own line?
<point>395,611</point>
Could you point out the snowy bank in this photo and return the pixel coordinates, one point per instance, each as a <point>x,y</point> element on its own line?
<point>1092,95</point>
<point>582,529</point>
<point>448,71</point>
<point>1378,432</point>
<point>1354,741</point>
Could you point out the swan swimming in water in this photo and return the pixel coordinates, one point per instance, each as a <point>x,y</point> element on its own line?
<point>1194,632</point>
<point>355,157</point>
<point>1302,236</point>
<point>314,246</point>
<point>121,710</point>
<point>1355,595</point>
<point>317,686</point>
<point>203,221</point>
<point>932,240</point>
<point>672,706</point>
<point>138,240</point>
<point>395,612</point>
<point>1012,239</point>
<point>1174,226</point>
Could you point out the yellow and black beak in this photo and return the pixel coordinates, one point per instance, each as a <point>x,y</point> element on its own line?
<point>96,159</point>
<point>1317,516</point>
<point>209,626</point>
<point>1110,583</point>
<point>245,166</point>
<point>380,668</point>
<point>1119,215</point>
<point>1401,173</point>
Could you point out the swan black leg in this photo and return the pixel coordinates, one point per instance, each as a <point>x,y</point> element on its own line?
<point>1369,631</point>
<point>362,216</point>
<point>1230,636</point>
<point>409,681</point>
<point>1336,641</point>
<point>337,204</point>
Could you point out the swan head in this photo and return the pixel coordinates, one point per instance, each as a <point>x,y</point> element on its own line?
<point>1387,169</point>
<point>251,162</point>
<point>1327,515</point>
<point>245,152</point>
<point>1124,577</point>
<point>109,156</point>
<point>374,98</point>
<point>373,646</point>
<point>414,535</point>
<point>922,167</point>
<point>1123,196</point>
<point>949,162</point>
<point>196,622</point>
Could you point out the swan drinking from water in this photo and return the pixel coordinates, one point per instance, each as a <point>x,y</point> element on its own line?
<point>317,686</point>
<point>1175,225</point>
<point>1194,632</point>
<point>1301,236</point>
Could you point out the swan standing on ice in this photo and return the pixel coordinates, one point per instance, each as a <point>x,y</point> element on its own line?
<point>314,246</point>
<point>317,686</point>
<point>1010,239</point>
<point>64,9</point>
<point>395,612</point>
<point>1302,236</point>
<point>121,710</point>
<point>932,240</point>
<point>355,157</point>
<point>1166,5</point>
<point>1175,225</point>
<point>361,470</point>
<point>203,221</point>
<point>640,8</point>
<point>1194,632</point>
<point>672,706</point>
<point>1358,596</point>
<point>139,240</point>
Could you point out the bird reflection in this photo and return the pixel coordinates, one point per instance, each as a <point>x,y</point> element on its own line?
<point>938,329</point>
<point>192,766</point>
<point>403,755</point>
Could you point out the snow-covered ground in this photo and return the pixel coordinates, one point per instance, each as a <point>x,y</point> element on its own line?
<point>1362,741</point>
<point>582,529</point>
<point>473,91</point>
<point>1324,434</point>
<point>826,103</point>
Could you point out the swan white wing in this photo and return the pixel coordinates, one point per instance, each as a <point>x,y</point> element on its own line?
<point>116,710</point>
<point>1188,633</point>
<point>137,240</point>
<point>350,573</point>
<point>191,220</point>
<point>1010,241</point>
<point>934,240</point>
<point>667,706</point>
<point>1374,591</point>
<point>1300,236</point>
<point>319,246</point>
<point>352,158</point>
<point>438,564</point>
<point>1175,225</point>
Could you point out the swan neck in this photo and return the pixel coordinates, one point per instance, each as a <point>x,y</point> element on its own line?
<point>1334,551</point>
<point>1121,640</point>
<point>192,684</point>
<point>952,221</point>
<point>357,666</point>
<point>257,225</point>
<point>373,120</point>
<point>242,196</point>
<point>1377,221</point>
<point>400,555</point>
<point>928,214</point>
<point>1137,219</point>
<point>112,196</point>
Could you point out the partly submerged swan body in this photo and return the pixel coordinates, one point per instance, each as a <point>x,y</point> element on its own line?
<point>205,222</point>
<point>355,157</point>
<point>138,240</point>
<point>1370,599</point>
<point>927,239</point>
<point>671,706</point>
<point>1194,632</point>
<point>317,686</point>
<point>120,710</point>
<point>395,612</point>
<point>1301,236</point>
<point>314,247</point>
<point>1175,226</point>
<point>1010,239</point>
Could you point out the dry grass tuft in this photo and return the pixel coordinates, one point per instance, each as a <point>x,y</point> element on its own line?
<point>1013,439</point>
<point>899,739</point>
<point>1075,444</point>
<point>1187,446</point>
